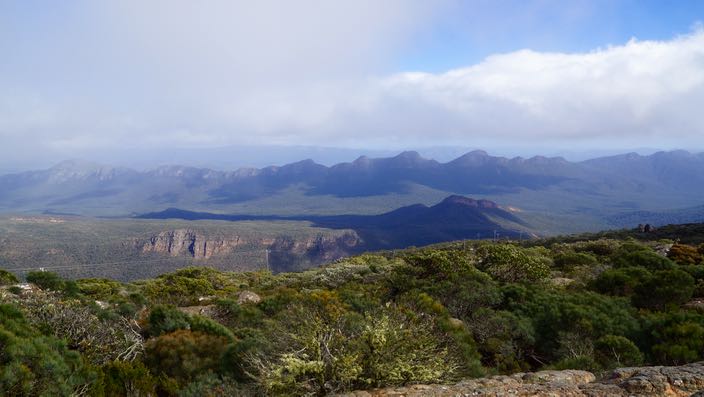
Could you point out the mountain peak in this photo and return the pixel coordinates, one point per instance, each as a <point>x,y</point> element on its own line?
<point>457,200</point>
<point>473,157</point>
<point>409,154</point>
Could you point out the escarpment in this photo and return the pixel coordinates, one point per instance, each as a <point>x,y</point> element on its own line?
<point>283,249</point>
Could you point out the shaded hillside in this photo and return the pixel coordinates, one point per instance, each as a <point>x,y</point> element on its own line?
<point>454,218</point>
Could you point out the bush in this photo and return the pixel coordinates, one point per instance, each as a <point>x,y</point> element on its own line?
<point>643,257</point>
<point>46,280</point>
<point>212,385</point>
<point>166,319</point>
<point>613,351</point>
<point>510,263</point>
<point>620,282</point>
<point>183,354</point>
<point>7,278</point>
<point>685,254</point>
<point>32,364</point>
<point>568,260</point>
<point>585,363</point>
<point>675,338</point>
<point>663,289</point>
<point>120,378</point>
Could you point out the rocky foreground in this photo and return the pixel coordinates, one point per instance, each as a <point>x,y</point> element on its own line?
<point>686,380</point>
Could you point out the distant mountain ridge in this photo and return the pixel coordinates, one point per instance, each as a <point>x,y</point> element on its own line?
<point>581,194</point>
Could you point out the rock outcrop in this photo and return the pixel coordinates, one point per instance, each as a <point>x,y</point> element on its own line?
<point>685,381</point>
<point>284,252</point>
<point>187,242</point>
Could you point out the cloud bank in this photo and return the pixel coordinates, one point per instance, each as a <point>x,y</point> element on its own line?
<point>171,74</point>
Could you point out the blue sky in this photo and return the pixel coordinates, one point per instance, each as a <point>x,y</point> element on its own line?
<point>469,31</point>
<point>81,77</point>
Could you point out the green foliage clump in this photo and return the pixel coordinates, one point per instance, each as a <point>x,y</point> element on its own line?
<point>46,280</point>
<point>327,348</point>
<point>643,257</point>
<point>124,378</point>
<point>567,324</point>
<point>184,354</point>
<point>166,319</point>
<point>510,263</point>
<point>569,260</point>
<point>32,364</point>
<point>7,278</point>
<point>664,288</point>
<point>675,338</point>
<point>213,385</point>
<point>182,288</point>
<point>620,282</point>
<point>613,351</point>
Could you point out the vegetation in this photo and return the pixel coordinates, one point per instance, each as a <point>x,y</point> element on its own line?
<point>434,314</point>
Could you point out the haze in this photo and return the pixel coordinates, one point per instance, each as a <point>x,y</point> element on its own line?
<point>142,82</point>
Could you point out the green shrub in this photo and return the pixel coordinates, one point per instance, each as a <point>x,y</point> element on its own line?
<point>663,289</point>
<point>620,282</point>
<point>568,260</point>
<point>510,263</point>
<point>674,338</point>
<point>183,355</point>
<point>32,364</point>
<point>644,258</point>
<point>122,378</point>
<point>46,280</point>
<point>613,351</point>
<point>7,278</point>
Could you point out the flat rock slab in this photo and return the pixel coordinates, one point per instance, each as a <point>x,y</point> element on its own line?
<point>686,380</point>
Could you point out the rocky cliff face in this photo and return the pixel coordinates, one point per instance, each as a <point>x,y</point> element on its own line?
<point>685,380</point>
<point>187,242</point>
<point>285,251</point>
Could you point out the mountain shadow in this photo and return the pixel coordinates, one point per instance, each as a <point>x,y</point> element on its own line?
<point>454,218</point>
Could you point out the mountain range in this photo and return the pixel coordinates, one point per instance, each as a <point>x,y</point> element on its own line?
<point>550,193</point>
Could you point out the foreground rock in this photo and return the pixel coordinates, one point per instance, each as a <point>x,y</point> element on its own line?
<point>686,380</point>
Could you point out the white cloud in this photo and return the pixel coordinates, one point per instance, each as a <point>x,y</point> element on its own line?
<point>642,88</point>
<point>173,73</point>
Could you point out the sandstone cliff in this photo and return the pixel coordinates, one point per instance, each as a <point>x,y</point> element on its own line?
<point>187,242</point>
<point>685,381</point>
<point>285,251</point>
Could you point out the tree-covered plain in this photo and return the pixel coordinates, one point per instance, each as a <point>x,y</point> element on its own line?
<point>421,315</point>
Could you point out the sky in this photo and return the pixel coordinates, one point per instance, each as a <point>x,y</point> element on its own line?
<point>537,76</point>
